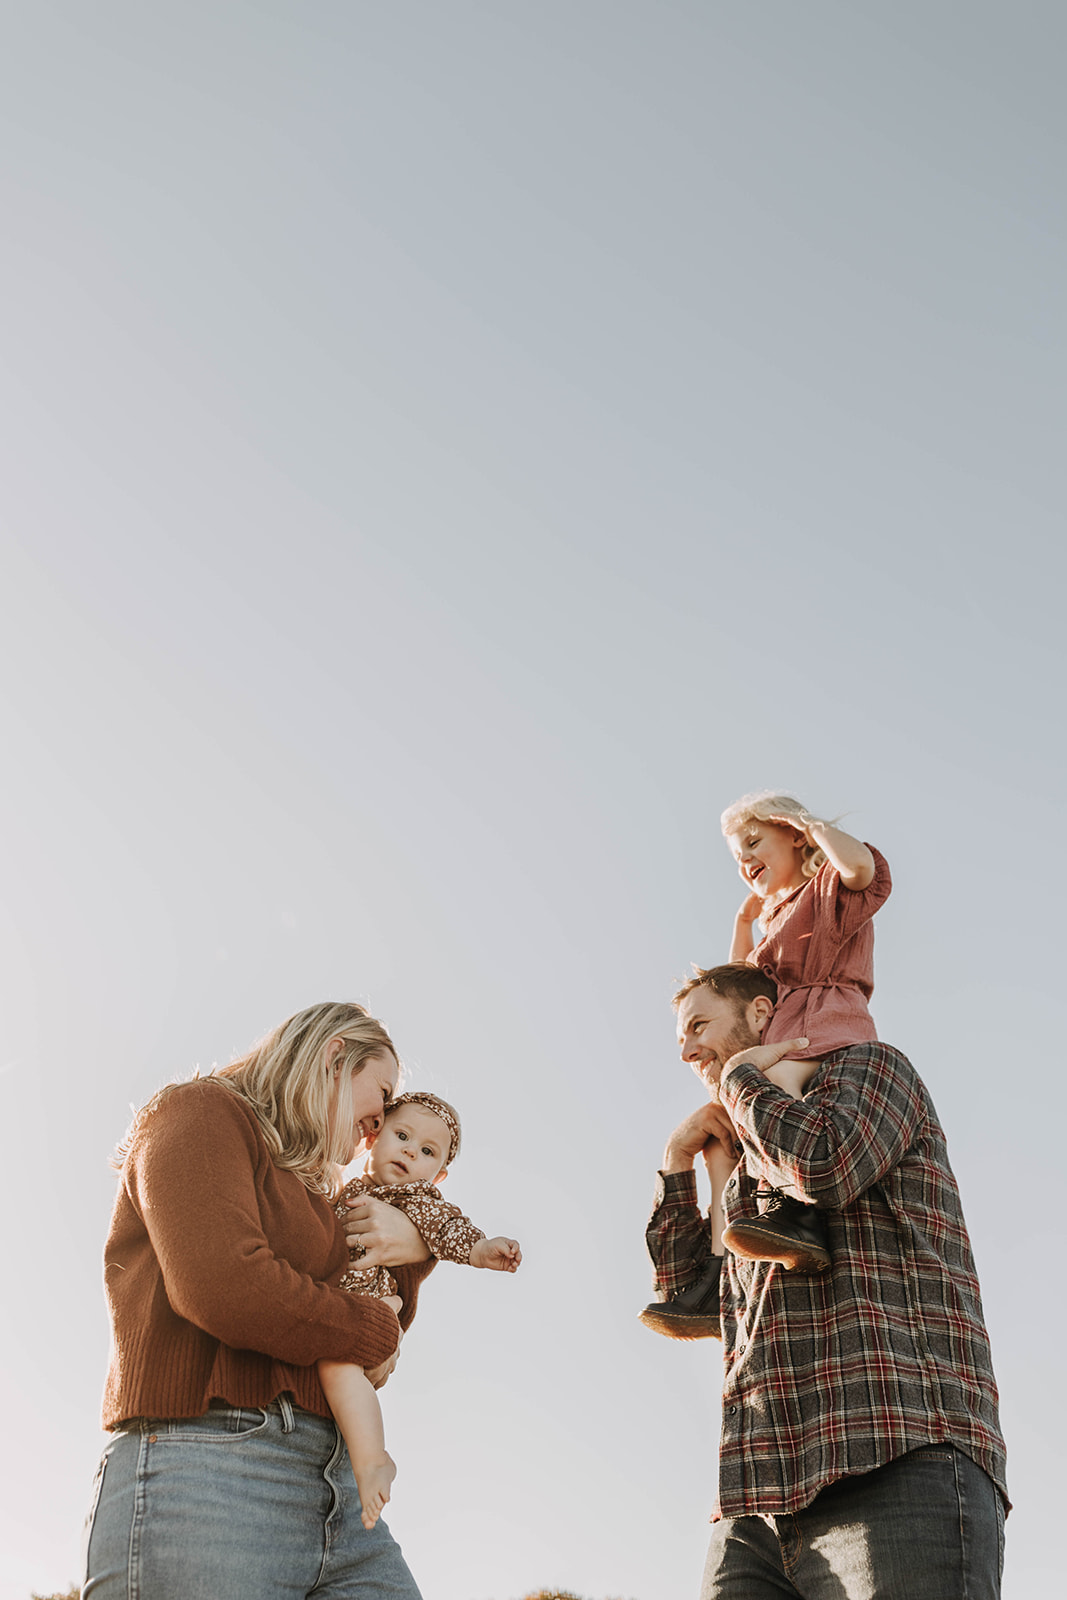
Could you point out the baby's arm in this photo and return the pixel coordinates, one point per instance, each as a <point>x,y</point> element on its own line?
<point>452,1236</point>
<point>499,1255</point>
<point>359,1416</point>
<point>449,1234</point>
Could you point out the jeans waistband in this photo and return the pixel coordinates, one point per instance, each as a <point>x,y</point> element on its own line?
<point>282,1406</point>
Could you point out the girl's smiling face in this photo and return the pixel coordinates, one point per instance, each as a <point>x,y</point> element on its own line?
<point>769,857</point>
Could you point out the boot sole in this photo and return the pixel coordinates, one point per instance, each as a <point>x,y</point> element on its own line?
<point>694,1326</point>
<point>761,1244</point>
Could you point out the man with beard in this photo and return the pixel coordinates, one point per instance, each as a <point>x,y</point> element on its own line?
<point>861,1453</point>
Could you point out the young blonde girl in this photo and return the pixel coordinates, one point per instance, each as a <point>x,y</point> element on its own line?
<point>813,889</point>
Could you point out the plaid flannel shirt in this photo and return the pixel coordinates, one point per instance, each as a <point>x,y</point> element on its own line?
<point>837,1373</point>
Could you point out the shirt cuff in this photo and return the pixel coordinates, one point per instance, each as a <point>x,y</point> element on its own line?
<point>676,1189</point>
<point>743,1075</point>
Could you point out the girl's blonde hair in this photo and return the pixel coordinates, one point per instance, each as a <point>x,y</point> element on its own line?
<point>289,1084</point>
<point>761,807</point>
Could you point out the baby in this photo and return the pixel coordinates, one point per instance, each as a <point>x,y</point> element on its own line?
<point>409,1156</point>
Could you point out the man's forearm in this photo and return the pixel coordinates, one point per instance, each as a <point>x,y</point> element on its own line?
<point>677,1236</point>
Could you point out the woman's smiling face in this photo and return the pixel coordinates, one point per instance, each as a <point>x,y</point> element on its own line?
<point>770,858</point>
<point>358,1096</point>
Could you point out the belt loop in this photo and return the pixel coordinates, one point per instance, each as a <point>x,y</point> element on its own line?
<point>285,1405</point>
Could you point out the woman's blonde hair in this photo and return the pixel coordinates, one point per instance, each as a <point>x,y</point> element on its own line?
<point>762,806</point>
<point>289,1084</point>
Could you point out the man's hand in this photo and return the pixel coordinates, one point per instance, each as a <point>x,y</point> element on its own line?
<point>499,1255</point>
<point>385,1235</point>
<point>699,1129</point>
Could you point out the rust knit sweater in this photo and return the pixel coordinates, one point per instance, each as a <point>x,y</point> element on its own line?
<point>221,1271</point>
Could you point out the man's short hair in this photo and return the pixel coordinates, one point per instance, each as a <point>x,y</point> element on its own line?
<point>736,982</point>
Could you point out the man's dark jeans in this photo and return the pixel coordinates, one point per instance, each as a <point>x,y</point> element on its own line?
<point>928,1526</point>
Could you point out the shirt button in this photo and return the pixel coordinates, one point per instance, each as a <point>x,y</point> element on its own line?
<point>731,1183</point>
<point>732,1409</point>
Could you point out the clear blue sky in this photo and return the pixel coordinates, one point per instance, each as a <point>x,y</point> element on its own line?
<point>450,451</point>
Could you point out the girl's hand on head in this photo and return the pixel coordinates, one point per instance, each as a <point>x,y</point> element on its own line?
<point>801,825</point>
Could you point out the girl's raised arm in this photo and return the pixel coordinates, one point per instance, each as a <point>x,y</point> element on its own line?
<point>744,942</point>
<point>850,856</point>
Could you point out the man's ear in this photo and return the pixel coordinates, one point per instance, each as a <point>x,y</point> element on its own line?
<point>441,1176</point>
<point>762,1008</point>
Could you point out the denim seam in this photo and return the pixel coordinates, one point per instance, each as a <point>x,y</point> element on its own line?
<point>140,1495</point>
<point>790,1559</point>
<point>335,1460</point>
<point>966,1587</point>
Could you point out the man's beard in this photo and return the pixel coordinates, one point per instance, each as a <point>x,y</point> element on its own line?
<point>739,1038</point>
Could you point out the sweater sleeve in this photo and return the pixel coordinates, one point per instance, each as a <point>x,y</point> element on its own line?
<point>197,1173</point>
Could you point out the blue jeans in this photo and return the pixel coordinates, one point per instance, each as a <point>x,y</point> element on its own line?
<point>927,1526</point>
<point>239,1504</point>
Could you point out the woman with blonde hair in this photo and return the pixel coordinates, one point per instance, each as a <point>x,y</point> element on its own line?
<point>225,1474</point>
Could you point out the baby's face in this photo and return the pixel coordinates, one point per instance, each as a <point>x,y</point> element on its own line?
<point>411,1148</point>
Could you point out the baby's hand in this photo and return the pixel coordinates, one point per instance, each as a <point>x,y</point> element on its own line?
<point>499,1255</point>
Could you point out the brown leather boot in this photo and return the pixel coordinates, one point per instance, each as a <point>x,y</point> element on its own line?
<point>787,1231</point>
<point>693,1313</point>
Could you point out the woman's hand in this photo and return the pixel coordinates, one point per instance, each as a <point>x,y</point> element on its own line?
<point>386,1237</point>
<point>378,1377</point>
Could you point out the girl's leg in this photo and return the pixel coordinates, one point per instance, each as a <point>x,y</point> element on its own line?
<point>720,1163</point>
<point>792,1076</point>
<point>359,1416</point>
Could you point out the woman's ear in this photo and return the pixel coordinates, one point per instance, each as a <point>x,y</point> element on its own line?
<point>335,1049</point>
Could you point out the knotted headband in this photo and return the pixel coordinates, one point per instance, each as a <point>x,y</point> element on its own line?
<point>439,1107</point>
